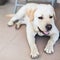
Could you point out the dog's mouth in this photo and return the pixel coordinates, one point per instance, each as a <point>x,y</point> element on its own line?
<point>45,33</point>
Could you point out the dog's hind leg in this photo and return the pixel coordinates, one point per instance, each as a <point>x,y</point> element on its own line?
<point>19,23</point>
<point>20,14</point>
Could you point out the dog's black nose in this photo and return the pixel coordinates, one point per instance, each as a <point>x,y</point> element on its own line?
<point>48,27</point>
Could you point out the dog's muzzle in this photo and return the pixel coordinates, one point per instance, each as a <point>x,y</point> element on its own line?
<point>45,33</point>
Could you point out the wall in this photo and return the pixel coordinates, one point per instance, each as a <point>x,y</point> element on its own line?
<point>58,1</point>
<point>12,1</point>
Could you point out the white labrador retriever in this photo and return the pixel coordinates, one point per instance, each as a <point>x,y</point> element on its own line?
<point>39,18</point>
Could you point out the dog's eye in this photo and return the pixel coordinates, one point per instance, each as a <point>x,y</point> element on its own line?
<point>40,17</point>
<point>50,17</point>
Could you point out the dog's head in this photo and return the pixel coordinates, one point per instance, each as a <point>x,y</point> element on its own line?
<point>43,18</point>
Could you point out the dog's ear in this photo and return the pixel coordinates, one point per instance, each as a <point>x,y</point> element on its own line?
<point>52,10</point>
<point>54,14</point>
<point>30,14</point>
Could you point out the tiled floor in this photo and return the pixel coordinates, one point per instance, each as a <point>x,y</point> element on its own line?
<point>13,43</point>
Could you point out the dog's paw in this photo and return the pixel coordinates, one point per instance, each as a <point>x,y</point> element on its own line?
<point>10,23</point>
<point>34,54</point>
<point>18,25</point>
<point>49,49</point>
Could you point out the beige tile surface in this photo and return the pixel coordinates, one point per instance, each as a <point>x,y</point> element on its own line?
<point>13,43</point>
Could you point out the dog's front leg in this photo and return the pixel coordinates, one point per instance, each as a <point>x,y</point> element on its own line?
<point>31,41</point>
<point>53,38</point>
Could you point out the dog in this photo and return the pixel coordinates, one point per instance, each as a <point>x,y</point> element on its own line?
<point>39,18</point>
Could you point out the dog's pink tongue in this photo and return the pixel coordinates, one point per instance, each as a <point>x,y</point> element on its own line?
<point>46,33</point>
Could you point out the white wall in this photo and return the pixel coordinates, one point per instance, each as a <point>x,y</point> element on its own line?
<point>58,1</point>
